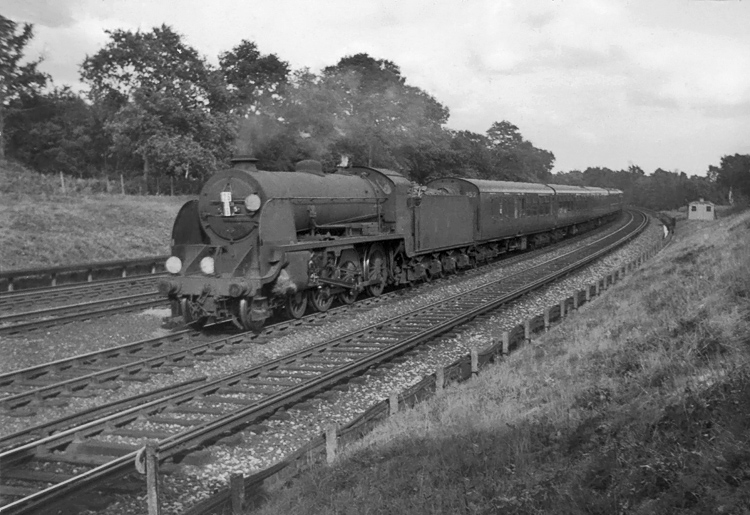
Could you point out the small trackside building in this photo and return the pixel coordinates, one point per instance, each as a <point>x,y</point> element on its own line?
<point>701,210</point>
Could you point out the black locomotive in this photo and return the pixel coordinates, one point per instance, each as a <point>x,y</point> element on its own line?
<point>256,241</point>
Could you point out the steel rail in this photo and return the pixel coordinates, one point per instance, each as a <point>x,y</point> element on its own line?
<point>25,327</point>
<point>20,299</point>
<point>35,371</point>
<point>13,440</point>
<point>189,439</point>
<point>112,373</point>
<point>52,311</point>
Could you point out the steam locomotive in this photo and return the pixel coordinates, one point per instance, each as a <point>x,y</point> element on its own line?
<point>255,242</point>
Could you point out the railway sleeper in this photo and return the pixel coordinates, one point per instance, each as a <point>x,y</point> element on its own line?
<point>139,377</point>
<point>182,363</point>
<point>278,382</point>
<point>305,368</point>
<point>36,383</point>
<point>97,449</point>
<point>17,491</point>
<point>286,373</point>
<point>104,384</point>
<point>349,350</point>
<point>219,399</point>
<point>258,392</point>
<point>371,342</point>
<point>326,362</point>
<point>81,393</point>
<point>367,348</point>
<point>41,476</point>
<point>234,390</point>
<point>142,433</point>
<point>199,410</point>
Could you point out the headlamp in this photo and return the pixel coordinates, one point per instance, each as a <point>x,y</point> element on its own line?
<point>207,265</point>
<point>252,202</point>
<point>173,265</point>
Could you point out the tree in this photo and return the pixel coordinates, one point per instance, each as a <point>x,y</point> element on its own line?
<point>471,154</point>
<point>377,111</point>
<point>515,158</point>
<point>162,103</point>
<point>16,79</point>
<point>251,75</point>
<point>53,132</point>
<point>733,172</point>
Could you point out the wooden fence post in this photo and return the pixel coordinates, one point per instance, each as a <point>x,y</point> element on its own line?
<point>527,330</point>
<point>506,343</point>
<point>152,480</point>
<point>237,489</point>
<point>393,402</point>
<point>546,320</point>
<point>439,380</point>
<point>562,309</point>
<point>331,444</point>
<point>474,362</point>
<point>575,300</point>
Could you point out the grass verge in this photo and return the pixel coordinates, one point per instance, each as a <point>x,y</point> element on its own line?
<point>638,403</point>
<point>49,228</point>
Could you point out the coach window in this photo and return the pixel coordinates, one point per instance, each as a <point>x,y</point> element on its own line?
<point>693,208</point>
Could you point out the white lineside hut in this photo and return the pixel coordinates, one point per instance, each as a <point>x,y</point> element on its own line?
<point>701,210</point>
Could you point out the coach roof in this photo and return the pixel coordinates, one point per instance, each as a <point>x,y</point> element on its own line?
<point>458,185</point>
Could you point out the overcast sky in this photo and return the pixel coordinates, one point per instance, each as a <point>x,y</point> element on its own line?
<point>655,83</point>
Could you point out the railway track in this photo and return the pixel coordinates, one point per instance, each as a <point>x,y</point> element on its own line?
<point>38,298</point>
<point>47,469</point>
<point>53,384</point>
<point>24,322</point>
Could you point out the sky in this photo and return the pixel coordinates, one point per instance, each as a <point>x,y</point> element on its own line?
<point>653,83</point>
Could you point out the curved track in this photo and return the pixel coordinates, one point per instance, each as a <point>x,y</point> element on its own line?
<point>44,470</point>
<point>51,384</point>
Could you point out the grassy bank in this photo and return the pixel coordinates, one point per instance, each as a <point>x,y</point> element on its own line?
<point>42,226</point>
<point>638,403</point>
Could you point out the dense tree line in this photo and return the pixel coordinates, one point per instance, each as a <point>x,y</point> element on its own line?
<point>662,190</point>
<point>158,114</point>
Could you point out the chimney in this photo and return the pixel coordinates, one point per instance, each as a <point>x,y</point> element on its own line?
<point>246,163</point>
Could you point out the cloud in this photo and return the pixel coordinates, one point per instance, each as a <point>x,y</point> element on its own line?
<point>46,13</point>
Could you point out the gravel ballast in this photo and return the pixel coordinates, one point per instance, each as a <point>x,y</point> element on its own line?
<point>252,452</point>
